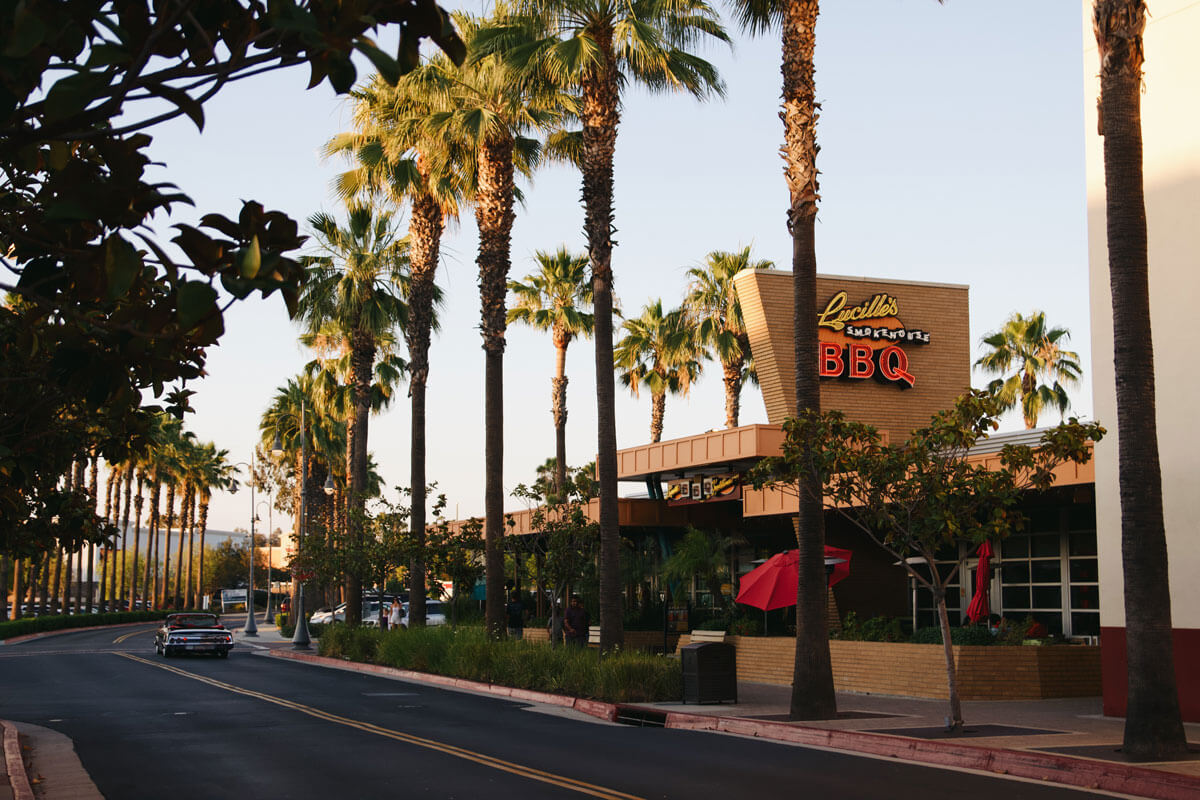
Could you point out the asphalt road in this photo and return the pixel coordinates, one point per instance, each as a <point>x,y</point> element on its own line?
<point>255,727</point>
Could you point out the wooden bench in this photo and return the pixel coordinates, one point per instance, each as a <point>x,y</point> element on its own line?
<point>708,636</point>
<point>594,636</point>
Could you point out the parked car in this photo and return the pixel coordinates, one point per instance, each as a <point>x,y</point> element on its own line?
<point>192,633</point>
<point>435,614</point>
<point>324,616</point>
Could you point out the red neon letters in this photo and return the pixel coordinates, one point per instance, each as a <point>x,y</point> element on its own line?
<point>859,361</point>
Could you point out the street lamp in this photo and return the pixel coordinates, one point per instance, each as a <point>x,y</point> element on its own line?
<point>250,628</point>
<point>301,639</point>
<point>267,618</point>
<point>329,487</point>
<point>662,596</point>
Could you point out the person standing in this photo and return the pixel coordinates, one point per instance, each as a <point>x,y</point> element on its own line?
<point>576,622</point>
<point>515,611</point>
<point>397,614</point>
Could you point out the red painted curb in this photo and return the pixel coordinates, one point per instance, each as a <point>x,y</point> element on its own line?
<point>14,764</point>
<point>43,634</point>
<point>594,708</point>
<point>1082,772</point>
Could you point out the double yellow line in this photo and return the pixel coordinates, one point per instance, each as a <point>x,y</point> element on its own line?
<point>125,636</point>
<point>441,747</point>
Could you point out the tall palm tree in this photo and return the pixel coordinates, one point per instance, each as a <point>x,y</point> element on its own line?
<point>494,110</point>
<point>1023,352</point>
<point>1153,727</point>
<point>557,298</point>
<point>812,681</point>
<point>660,352</point>
<point>354,284</point>
<point>399,156</point>
<point>712,306</point>
<point>214,472</point>
<point>598,47</point>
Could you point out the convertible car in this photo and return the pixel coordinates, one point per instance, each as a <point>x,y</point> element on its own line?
<point>192,633</point>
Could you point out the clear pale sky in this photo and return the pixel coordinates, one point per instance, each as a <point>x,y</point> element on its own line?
<point>951,151</point>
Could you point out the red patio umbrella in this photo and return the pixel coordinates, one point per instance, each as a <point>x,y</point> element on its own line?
<point>979,608</point>
<point>773,584</point>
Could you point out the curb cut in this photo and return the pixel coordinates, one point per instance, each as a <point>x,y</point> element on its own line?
<point>1083,773</point>
<point>1080,772</point>
<point>593,708</point>
<point>14,764</point>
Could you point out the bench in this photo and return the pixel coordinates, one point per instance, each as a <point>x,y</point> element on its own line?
<point>708,636</point>
<point>594,636</point>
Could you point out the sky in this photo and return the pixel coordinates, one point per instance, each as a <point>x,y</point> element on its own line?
<point>951,151</point>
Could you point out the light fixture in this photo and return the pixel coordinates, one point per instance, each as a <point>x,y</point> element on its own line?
<point>329,487</point>
<point>277,446</point>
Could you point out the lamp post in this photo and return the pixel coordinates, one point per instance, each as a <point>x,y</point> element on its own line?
<point>250,628</point>
<point>300,639</point>
<point>662,595</point>
<point>267,618</point>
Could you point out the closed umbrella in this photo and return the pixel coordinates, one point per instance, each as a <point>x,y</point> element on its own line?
<point>773,584</point>
<point>979,608</point>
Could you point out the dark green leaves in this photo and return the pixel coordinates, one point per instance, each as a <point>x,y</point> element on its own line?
<point>195,302</point>
<point>122,264</point>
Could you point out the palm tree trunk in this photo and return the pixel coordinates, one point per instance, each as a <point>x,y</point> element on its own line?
<point>35,565</point>
<point>600,118</point>
<point>425,236</point>
<point>150,579</point>
<point>494,216</point>
<point>812,681</point>
<point>93,488</point>
<point>56,581</point>
<point>204,500</point>
<point>166,545</point>
<point>44,585</point>
<point>129,475</point>
<point>108,493</point>
<point>732,376</point>
<point>185,508</point>
<point>362,360</point>
<point>1153,726</point>
<point>658,410</point>
<point>558,400</point>
<point>5,578</point>
<point>138,501</point>
<point>190,590</point>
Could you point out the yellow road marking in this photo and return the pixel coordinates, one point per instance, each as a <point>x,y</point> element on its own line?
<point>431,744</point>
<point>125,636</point>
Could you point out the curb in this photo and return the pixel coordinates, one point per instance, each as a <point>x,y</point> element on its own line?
<point>593,708</point>
<point>1080,772</point>
<point>14,764</point>
<point>28,637</point>
<point>1084,773</point>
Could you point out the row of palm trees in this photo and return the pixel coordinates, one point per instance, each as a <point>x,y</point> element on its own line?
<point>173,466</point>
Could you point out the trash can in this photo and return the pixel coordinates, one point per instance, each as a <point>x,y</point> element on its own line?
<point>709,672</point>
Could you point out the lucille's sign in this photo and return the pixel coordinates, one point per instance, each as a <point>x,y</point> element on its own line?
<point>863,341</point>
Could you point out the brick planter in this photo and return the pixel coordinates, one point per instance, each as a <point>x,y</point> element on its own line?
<point>919,670</point>
<point>634,640</point>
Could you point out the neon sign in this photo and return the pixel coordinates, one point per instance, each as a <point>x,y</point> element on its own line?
<point>865,341</point>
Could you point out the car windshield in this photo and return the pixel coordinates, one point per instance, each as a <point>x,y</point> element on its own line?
<point>192,621</point>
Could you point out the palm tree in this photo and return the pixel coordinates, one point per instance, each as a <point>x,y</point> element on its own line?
<point>494,110</point>
<point>353,284</point>
<point>812,681</point>
<point>557,298</point>
<point>397,155</point>
<point>712,306</point>
<point>1029,350</point>
<point>658,351</point>
<point>598,47</point>
<point>214,472</point>
<point>1153,727</point>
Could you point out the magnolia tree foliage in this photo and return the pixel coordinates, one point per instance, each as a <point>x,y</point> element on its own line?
<point>924,496</point>
<point>97,312</point>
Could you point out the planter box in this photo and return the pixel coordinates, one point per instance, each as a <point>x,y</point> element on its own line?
<point>634,640</point>
<point>919,670</point>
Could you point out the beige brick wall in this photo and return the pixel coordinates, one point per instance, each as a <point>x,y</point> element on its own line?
<point>942,367</point>
<point>919,670</point>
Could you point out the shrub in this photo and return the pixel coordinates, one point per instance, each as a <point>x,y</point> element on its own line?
<point>352,643</point>
<point>57,622</point>
<point>465,652</point>
<point>977,635</point>
<point>875,629</point>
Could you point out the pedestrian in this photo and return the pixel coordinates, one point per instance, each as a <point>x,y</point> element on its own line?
<point>576,622</point>
<point>515,611</point>
<point>397,615</point>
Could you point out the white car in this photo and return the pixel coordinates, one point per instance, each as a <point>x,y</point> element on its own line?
<point>325,616</point>
<point>435,614</point>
